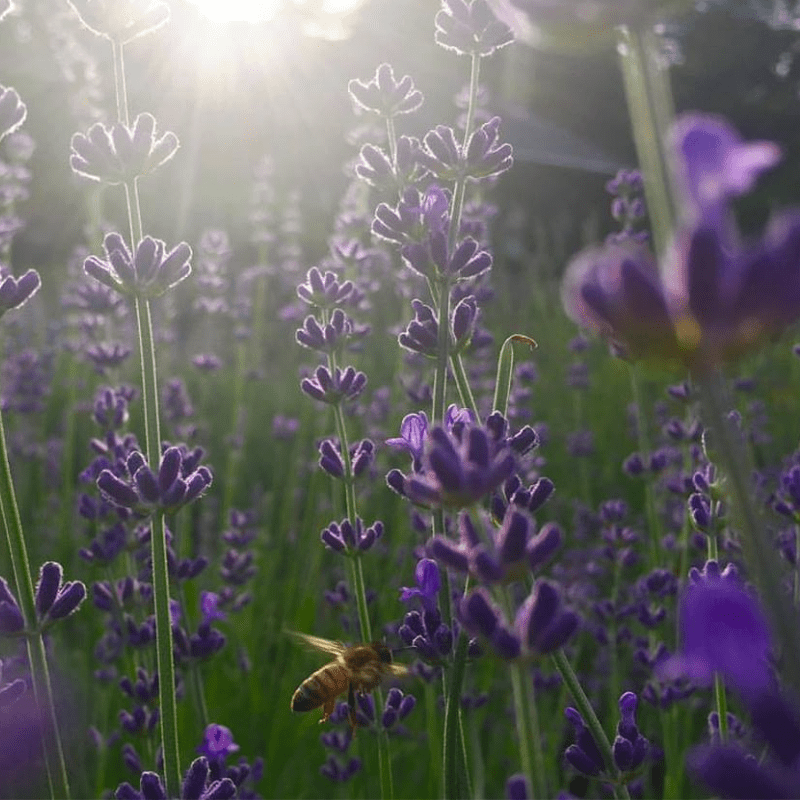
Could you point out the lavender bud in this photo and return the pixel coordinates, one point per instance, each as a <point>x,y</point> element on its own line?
<point>50,575</point>
<point>517,788</point>
<point>195,780</point>
<point>15,292</point>
<point>465,316</point>
<point>541,548</point>
<point>72,594</point>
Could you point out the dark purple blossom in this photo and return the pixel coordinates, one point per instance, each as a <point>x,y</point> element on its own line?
<point>416,217</point>
<point>179,481</point>
<point>54,598</point>
<point>428,581</point>
<point>334,388</point>
<point>459,468</point>
<point>327,338</point>
<point>345,537</point>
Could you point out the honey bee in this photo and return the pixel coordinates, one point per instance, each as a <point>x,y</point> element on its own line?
<point>360,668</point>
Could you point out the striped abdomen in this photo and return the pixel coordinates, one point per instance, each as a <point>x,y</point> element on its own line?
<point>321,689</point>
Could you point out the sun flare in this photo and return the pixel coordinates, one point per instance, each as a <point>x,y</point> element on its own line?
<point>239,10</point>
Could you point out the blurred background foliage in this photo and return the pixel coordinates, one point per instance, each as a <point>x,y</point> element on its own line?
<point>236,91</point>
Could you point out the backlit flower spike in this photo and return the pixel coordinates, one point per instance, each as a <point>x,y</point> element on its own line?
<point>120,154</point>
<point>12,111</point>
<point>384,95</point>
<point>469,27</point>
<point>5,7</point>
<point>121,20</point>
<point>148,273</point>
<point>15,292</point>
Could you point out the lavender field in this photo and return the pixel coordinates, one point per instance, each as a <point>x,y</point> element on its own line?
<point>322,400</point>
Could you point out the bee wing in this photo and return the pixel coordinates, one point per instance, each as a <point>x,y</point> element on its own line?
<point>318,643</point>
<point>398,670</point>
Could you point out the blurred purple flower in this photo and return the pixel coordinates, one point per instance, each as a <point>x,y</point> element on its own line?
<point>723,630</point>
<point>217,743</point>
<point>715,296</point>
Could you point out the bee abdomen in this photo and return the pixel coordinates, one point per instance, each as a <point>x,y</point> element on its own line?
<point>325,684</point>
<point>307,697</point>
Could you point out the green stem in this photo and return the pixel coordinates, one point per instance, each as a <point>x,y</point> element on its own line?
<point>462,384</point>
<point>43,691</point>
<point>526,715</point>
<point>360,592</point>
<point>759,554</point>
<point>587,712</point>
<point>649,97</point>
<point>454,779</point>
<point>158,549</point>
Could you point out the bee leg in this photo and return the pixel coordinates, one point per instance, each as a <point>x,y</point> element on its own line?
<point>327,710</point>
<point>351,702</point>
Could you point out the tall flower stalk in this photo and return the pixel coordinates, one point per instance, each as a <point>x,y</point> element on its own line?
<point>16,293</point>
<point>142,270</point>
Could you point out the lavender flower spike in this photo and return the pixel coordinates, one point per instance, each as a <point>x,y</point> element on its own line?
<point>15,292</point>
<point>12,111</point>
<point>148,273</point>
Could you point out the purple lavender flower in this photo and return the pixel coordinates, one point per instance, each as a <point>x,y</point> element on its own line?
<point>384,95</point>
<point>179,481</point>
<point>11,620</point>
<point>481,158</point>
<point>413,429</point>
<point>468,27</point>
<point>121,154</point>
<point>723,629</point>
<point>148,273</point>
<point>324,290</point>
<point>459,468</point>
<point>345,537</point>
<point>54,598</point>
<point>718,296</point>
<point>196,785</point>
<point>334,388</point>
<point>12,111</point>
<point>428,581</point>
